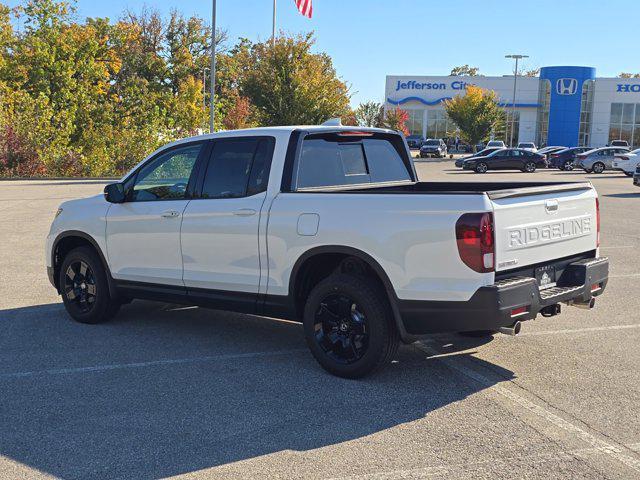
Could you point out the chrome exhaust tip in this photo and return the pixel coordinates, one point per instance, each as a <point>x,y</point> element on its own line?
<point>585,305</point>
<point>513,330</point>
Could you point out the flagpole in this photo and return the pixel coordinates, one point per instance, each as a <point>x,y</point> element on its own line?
<point>273,30</point>
<point>213,68</point>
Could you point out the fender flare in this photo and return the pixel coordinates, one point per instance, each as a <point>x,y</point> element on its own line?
<point>113,291</point>
<point>371,262</point>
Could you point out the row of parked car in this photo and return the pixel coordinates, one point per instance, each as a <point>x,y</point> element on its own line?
<point>528,159</point>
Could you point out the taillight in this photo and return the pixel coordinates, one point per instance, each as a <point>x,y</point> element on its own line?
<point>554,155</point>
<point>622,157</point>
<point>476,242</point>
<point>598,221</point>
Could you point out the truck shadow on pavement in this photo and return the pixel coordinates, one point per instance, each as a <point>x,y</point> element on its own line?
<point>164,390</point>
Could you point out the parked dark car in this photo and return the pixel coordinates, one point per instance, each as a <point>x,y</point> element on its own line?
<point>415,141</point>
<point>507,159</point>
<point>481,153</point>
<point>433,147</point>
<point>564,159</point>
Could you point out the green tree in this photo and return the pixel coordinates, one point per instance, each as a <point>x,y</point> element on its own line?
<point>465,71</point>
<point>290,85</point>
<point>370,114</point>
<point>476,114</point>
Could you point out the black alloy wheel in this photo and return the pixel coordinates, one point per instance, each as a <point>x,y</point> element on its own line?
<point>84,286</point>
<point>349,325</point>
<point>341,329</point>
<point>80,286</point>
<point>530,167</point>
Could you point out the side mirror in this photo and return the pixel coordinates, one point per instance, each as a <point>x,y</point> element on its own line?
<point>114,193</point>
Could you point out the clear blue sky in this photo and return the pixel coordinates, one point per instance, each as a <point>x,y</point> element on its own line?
<point>369,39</point>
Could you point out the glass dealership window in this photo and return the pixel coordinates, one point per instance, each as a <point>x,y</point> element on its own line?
<point>586,113</point>
<point>503,132</point>
<point>544,102</point>
<point>415,122</point>
<point>439,125</point>
<point>625,123</point>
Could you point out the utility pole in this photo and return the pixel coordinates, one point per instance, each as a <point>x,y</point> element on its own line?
<point>513,104</point>
<point>213,68</point>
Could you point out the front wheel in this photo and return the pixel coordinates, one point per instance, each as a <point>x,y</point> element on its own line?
<point>482,167</point>
<point>598,167</point>
<point>529,167</point>
<point>349,327</point>
<point>85,288</point>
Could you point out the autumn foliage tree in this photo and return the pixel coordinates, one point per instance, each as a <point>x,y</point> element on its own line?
<point>396,119</point>
<point>476,114</point>
<point>94,97</point>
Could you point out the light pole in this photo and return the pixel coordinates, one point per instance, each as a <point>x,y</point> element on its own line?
<point>513,104</point>
<point>273,30</point>
<point>213,67</point>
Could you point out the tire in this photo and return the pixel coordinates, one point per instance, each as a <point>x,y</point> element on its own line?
<point>598,167</point>
<point>482,167</point>
<point>85,288</point>
<point>629,174</point>
<point>529,167</point>
<point>567,166</point>
<point>342,312</point>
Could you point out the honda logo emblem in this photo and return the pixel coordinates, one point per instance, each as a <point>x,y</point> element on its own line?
<point>566,86</point>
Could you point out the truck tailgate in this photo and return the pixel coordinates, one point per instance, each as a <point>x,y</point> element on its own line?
<point>539,224</point>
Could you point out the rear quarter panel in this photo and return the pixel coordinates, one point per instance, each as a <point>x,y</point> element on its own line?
<point>412,237</point>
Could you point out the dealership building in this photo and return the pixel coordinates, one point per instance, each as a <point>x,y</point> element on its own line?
<point>567,106</point>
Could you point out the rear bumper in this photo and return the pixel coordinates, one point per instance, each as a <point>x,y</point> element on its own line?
<point>491,307</point>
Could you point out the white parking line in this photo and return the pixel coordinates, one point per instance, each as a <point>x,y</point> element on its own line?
<point>478,466</point>
<point>603,446</point>
<point>628,275</point>
<point>579,330</point>
<point>153,363</point>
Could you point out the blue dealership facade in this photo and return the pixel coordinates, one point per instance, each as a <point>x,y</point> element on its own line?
<point>564,105</point>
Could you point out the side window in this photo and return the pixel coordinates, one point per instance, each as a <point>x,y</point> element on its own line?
<point>238,167</point>
<point>227,173</point>
<point>166,177</point>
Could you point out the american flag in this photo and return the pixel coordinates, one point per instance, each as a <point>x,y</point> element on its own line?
<point>304,7</point>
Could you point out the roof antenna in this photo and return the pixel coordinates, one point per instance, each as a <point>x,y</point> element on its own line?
<point>333,122</point>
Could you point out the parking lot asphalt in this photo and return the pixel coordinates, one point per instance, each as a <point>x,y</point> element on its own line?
<point>164,390</point>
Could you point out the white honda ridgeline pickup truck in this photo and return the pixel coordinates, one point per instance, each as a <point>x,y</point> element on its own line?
<point>328,226</point>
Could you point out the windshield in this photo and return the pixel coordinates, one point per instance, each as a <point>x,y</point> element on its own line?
<point>432,142</point>
<point>526,145</point>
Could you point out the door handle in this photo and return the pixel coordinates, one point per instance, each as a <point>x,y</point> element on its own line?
<point>245,212</point>
<point>170,214</point>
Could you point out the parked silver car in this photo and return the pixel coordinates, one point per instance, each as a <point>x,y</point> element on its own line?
<point>599,159</point>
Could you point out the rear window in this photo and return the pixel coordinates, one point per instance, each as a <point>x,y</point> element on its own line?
<point>332,160</point>
<point>432,142</point>
<point>526,145</point>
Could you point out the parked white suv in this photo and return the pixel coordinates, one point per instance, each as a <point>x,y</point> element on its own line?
<point>528,146</point>
<point>328,226</point>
